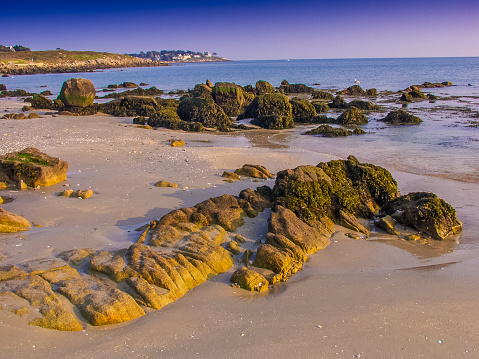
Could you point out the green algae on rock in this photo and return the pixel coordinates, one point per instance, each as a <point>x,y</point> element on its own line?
<point>401,117</point>
<point>273,111</point>
<point>77,92</point>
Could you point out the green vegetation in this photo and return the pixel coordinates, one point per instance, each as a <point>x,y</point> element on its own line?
<point>28,158</point>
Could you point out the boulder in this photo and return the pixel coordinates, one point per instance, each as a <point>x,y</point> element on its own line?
<point>41,102</point>
<point>338,102</point>
<point>352,116</point>
<point>274,259</point>
<point>254,171</point>
<point>322,95</point>
<point>234,248</point>
<point>33,167</point>
<point>209,84</point>
<point>250,280</point>
<point>177,143</point>
<point>127,84</point>
<point>131,106</point>
<point>231,176</point>
<point>354,90</point>
<point>425,212</point>
<point>202,91</point>
<point>296,88</point>
<point>320,106</point>
<point>303,111</point>
<point>229,97</point>
<point>264,87</point>
<point>363,105</point>
<point>14,116</point>
<point>401,117</point>
<point>166,184</point>
<point>387,224</point>
<point>77,92</point>
<point>273,111</point>
<point>10,223</point>
<point>204,111</point>
<point>329,131</point>
<point>83,194</point>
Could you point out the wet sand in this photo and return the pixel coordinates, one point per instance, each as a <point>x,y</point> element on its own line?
<point>380,298</point>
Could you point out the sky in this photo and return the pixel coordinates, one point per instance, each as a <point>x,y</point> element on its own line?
<point>249,30</point>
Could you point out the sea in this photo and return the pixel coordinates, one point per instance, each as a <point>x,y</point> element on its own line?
<point>445,145</point>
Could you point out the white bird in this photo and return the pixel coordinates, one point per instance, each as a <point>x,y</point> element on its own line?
<point>357,81</point>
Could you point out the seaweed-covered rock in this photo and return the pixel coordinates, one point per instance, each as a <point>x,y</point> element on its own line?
<point>229,97</point>
<point>329,131</point>
<point>414,94</point>
<point>168,118</point>
<point>10,223</point>
<point>250,280</point>
<point>303,111</point>
<point>3,87</point>
<point>273,111</point>
<point>371,92</point>
<point>425,212</point>
<point>33,167</point>
<point>14,116</point>
<point>41,102</point>
<point>254,171</point>
<point>352,116</point>
<point>338,102</point>
<point>204,111</point>
<point>230,176</point>
<point>77,92</point>
<point>202,90</point>
<point>363,105</point>
<point>166,184</point>
<point>131,106</point>
<point>264,87</point>
<point>320,106</point>
<point>401,117</point>
<point>296,88</point>
<point>322,95</point>
<point>354,90</point>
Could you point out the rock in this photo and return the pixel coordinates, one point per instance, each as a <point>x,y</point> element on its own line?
<point>322,95</point>
<point>338,102</point>
<point>33,115</point>
<point>15,116</point>
<point>371,92</point>
<point>76,256</point>
<point>41,102</point>
<point>204,111</point>
<point>143,84</point>
<point>350,221</point>
<point>10,223</point>
<point>296,88</point>
<point>77,92</point>
<point>150,295</point>
<point>414,94</point>
<point>257,199</point>
<point>3,87</point>
<point>231,176</point>
<point>33,167</point>
<point>364,105</point>
<point>66,193</point>
<point>209,84</point>
<point>354,90</point>
<point>273,111</point>
<point>425,212</point>
<point>247,255</point>
<point>128,84</point>
<point>229,97</point>
<point>303,111</point>
<point>264,87</point>
<point>168,118</point>
<point>254,171</point>
<point>166,184</point>
<point>401,117</point>
<point>83,194</point>
<point>177,143</point>
<point>329,131</point>
<point>287,246</point>
<point>320,106</point>
<point>202,91</point>
<point>273,259</point>
<point>239,238</point>
<point>387,224</point>
<point>131,106</point>
<point>250,280</point>
<point>285,223</point>
<point>284,82</point>
<point>234,247</point>
<point>352,116</point>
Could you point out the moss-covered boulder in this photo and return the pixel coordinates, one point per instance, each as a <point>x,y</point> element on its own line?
<point>296,88</point>
<point>250,280</point>
<point>303,111</point>
<point>352,116</point>
<point>11,223</point>
<point>77,92</point>
<point>264,87</point>
<point>41,102</point>
<point>401,117</point>
<point>204,111</point>
<point>329,131</point>
<point>33,167</point>
<point>363,105</point>
<point>273,111</point>
<point>320,106</point>
<point>338,102</point>
<point>131,106</point>
<point>229,97</point>
<point>425,212</point>
<point>322,95</point>
<point>354,90</point>
<point>202,91</point>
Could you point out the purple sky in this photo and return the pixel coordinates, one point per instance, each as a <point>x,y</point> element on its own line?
<point>242,30</point>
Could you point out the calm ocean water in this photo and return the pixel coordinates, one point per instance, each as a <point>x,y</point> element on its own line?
<point>383,74</point>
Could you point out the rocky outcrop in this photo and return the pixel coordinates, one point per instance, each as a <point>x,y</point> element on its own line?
<point>229,97</point>
<point>273,111</point>
<point>202,91</point>
<point>77,92</point>
<point>33,167</point>
<point>329,131</point>
<point>322,95</point>
<point>338,102</point>
<point>303,111</point>
<point>425,212</point>
<point>320,106</point>
<point>363,105</point>
<point>401,117</point>
<point>352,116</point>
<point>296,88</point>
<point>264,87</point>
<point>357,90</point>
<point>204,111</point>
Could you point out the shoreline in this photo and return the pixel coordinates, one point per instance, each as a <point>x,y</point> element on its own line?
<point>367,298</point>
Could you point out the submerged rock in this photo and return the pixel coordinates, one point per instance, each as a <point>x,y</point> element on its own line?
<point>33,167</point>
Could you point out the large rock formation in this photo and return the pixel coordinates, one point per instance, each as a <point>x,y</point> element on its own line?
<point>303,111</point>
<point>77,92</point>
<point>273,111</point>
<point>204,111</point>
<point>33,167</point>
<point>229,97</point>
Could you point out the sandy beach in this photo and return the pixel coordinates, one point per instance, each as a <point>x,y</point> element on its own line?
<point>376,298</point>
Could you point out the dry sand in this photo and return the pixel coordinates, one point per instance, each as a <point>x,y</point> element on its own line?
<point>380,298</point>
